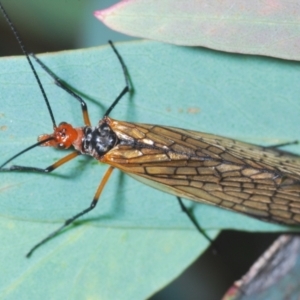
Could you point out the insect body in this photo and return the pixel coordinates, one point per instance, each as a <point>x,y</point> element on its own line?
<point>250,179</point>
<point>202,167</point>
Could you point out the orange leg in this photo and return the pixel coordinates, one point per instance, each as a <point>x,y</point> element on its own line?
<point>49,169</point>
<point>71,220</point>
<point>60,83</point>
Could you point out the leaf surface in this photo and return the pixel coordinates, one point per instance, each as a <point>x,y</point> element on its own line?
<point>135,232</point>
<point>262,27</point>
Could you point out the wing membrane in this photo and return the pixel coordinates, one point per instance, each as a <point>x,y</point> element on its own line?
<point>258,181</point>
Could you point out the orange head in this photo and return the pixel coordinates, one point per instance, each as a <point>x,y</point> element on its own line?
<point>63,136</point>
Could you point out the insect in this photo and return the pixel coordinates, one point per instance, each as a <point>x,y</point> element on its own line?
<point>257,181</point>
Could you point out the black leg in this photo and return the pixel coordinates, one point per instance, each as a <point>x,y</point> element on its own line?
<point>127,87</point>
<point>71,220</point>
<point>60,83</point>
<point>194,221</point>
<point>282,145</point>
<point>40,170</point>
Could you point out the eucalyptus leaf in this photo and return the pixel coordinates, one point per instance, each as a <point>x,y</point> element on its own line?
<point>262,27</point>
<point>137,239</point>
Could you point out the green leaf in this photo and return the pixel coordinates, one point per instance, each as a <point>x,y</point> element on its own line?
<point>254,27</point>
<point>135,232</point>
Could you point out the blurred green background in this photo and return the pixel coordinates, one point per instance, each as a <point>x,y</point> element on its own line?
<point>47,26</point>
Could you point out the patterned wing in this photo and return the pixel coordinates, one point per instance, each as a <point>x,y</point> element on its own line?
<point>206,168</point>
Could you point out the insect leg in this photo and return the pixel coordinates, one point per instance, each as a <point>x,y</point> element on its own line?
<point>194,221</point>
<point>49,169</point>
<point>128,86</point>
<point>60,83</point>
<point>71,220</point>
<point>282,145</point>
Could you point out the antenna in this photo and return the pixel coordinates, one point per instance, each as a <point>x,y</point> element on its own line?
<point>25,52</point>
